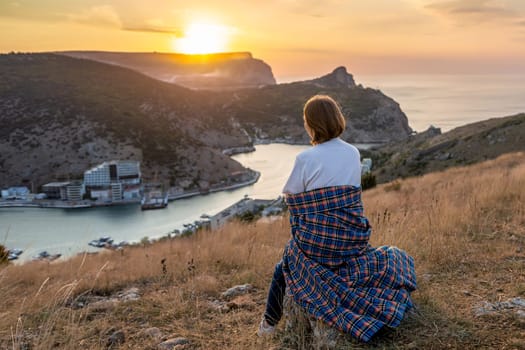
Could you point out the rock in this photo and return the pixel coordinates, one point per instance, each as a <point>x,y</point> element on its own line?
<point>237,290</point>
<point>103,305</point>
<point>153,332</point>
<point>129,294</point>
<point>519,302</point>
<point>516,305</point>
<point>338,78</point>
<point>173,343</point>
<point>109,303</point>
<point>115,339</point>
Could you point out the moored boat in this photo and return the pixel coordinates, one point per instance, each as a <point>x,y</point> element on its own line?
<point>102,242</point>
<point>44,255</point>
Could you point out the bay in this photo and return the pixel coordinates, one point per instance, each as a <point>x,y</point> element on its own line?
<point>67,231</point>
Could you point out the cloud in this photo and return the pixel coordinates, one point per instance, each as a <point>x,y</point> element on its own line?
<point>149,29</point>
<point>474,11</point>
<point>103,15</point>
<point>153,25</point>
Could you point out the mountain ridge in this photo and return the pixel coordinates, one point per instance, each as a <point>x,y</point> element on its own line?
<point>229,70</point>
<point>62,115</point>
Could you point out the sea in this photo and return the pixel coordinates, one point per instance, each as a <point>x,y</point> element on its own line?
<point>447,101</point>
<point>444,101</point>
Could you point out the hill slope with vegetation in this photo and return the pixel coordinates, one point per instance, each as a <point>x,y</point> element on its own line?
<point>432,151</point>
<point>62,115</point>
<point>465,227</point>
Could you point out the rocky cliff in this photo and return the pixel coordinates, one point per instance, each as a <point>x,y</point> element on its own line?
<point>212,71</point>
<point>274,113</point>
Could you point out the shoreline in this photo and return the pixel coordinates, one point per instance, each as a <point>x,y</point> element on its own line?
<point>58,204</point>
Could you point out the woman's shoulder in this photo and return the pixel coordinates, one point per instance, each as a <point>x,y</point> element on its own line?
<point>328,150</point>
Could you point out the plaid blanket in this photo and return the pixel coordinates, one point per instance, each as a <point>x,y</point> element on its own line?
<point>334,274</point>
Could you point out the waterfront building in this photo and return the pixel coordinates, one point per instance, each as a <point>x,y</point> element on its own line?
<point>100,193</point>
<point>131,192</point>
<point>116,191</point>
<point>111,180</point>
<point>67,190</point>
<point>75,191</point>
<point>55,190</point>
<point>126,172</point>
<point>17,192</point>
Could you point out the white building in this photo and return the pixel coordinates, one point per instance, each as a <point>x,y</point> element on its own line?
<point>126,172</point>
<point>75,191</point>
<point>116,191</point>
<point>19,192</point>
<point>101,194</point>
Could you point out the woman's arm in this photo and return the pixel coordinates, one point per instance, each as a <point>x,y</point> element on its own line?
<point>296,180</point>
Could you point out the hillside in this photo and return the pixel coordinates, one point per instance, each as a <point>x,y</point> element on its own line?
<point>212,71</point>
<point>432,151</point>
<point>62,115</point>
<point>275,112</point>
<point>465,227</point>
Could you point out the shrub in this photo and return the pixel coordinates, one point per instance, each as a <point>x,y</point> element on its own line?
<point>368,180</point>
<point>247,216</point>
<point>3,255</point>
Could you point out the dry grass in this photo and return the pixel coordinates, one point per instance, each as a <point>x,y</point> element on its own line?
<point>465,227</point>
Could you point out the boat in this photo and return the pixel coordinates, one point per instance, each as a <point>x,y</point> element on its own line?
<point>44,255</point>
<point>13,254</point>
<point>102,242</point>
<point>154,202</point>
<point>154,197</point>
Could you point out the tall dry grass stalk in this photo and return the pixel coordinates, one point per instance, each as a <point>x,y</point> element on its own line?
<point>455,222</point>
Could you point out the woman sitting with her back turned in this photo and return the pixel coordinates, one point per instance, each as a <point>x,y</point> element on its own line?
<point>328,266</point>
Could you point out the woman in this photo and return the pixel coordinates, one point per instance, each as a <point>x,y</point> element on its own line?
<point>328,265</point>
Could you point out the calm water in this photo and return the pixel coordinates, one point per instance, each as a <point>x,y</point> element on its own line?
<point>449,101</point>
<point>68,231</point>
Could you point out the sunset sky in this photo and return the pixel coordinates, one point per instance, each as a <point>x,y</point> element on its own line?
<point>298,38</point>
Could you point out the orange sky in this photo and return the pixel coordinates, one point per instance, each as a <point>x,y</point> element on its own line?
<point>298,38</point>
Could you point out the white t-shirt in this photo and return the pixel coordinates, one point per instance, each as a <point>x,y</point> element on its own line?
<point>331,163</point>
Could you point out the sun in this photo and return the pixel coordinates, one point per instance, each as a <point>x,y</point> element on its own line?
<point>202,38</point>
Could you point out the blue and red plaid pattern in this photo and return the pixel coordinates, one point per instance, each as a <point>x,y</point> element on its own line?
<point>334,274</point>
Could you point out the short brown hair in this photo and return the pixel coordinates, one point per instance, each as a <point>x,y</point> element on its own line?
<point>324,118</point>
